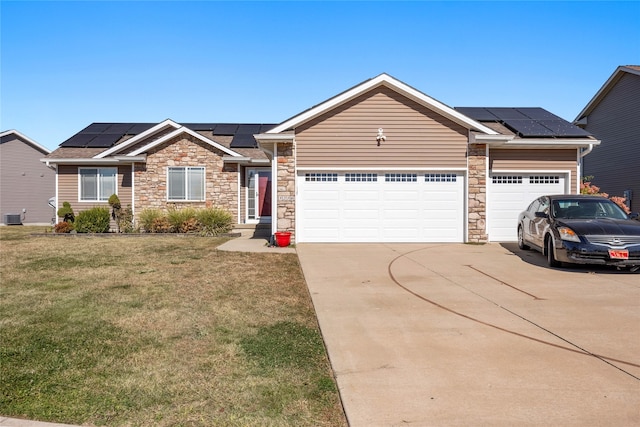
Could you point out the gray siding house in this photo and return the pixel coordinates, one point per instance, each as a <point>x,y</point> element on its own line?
<point>26,184</point>
<point>613,117</point>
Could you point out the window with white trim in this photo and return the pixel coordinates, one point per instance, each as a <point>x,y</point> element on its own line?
<point>401,177</point>
<point>544,179</point>
<point>440,177</point>
<point>97,184</point>
<point>321,177</point>
<point>185,184</point>
<point>506,179</point>
<point>361,177</point>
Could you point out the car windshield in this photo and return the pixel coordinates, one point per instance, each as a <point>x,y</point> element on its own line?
<point>587,209</point>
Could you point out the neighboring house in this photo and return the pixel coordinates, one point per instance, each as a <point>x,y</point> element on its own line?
<point>166,165</point>
<point>26,185</point>
<point>381,162</point>
<point>613,116</point>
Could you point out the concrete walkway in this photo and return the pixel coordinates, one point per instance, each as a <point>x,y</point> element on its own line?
<point>15,422</point>
<point>249,241</point>
<point>459,335</point>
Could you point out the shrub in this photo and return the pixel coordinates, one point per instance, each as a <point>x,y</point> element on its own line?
<point>148,217</point>
<point>182,220</point>
<point>125,220</point>
<point>66,212</point>
<point>214,221</point>
<point>94,220</point>
<point>160,225</point>
<point>586,187</point>
<point>63,227</point>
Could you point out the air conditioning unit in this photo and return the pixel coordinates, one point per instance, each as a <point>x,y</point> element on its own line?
<point>13,219</point>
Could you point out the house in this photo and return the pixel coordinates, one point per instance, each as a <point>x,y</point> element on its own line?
<point>613,116</point>
<point>380,162</point>
<point>26,185</point>
<point>383,162</point>
<point>158,165</point>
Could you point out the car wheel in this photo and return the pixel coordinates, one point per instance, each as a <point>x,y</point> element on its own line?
<point>521,243</point>
<point>551,258</point>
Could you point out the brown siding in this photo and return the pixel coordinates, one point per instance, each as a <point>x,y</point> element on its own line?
<point>26,183</point>
<point>68,190</point>
<point>616,122</point>
<point>533,160</point>
<point>416,136</point>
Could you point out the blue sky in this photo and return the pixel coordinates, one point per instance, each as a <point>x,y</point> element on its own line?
<point>65,65</point>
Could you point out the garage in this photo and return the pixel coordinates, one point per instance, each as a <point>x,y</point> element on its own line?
<point>510,193</point>
<point>380,206</point>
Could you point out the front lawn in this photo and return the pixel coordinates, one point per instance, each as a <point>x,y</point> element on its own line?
<point>158,330</point>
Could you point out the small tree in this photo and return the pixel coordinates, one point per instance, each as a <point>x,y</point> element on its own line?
<point>586,187</point>
<point>66,212</point>
<point>116,210</point>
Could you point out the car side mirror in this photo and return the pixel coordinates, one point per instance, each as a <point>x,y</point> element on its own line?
<point>542,215</point>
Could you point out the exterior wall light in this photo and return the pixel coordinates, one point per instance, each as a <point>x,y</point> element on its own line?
<point>380,138</point>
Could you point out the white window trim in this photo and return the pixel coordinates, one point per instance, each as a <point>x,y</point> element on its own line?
<point>98,200</point>
<point>186,183</point>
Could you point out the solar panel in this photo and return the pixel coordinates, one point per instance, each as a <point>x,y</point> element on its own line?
<point>528,128</point>
<point>507,113</point>
<point>243,140</point>
<point>248,128</point>
<point>105,140</point>
<point>537,113</point>
<point>138,128</point>
<point>96,128</point>
<point>265,128</point>
<point>477,113</point>
<point>200,126</point>
<point>120,128</point>
<point>78,140</point>
<point>225,129</point>
<point>564,128</point>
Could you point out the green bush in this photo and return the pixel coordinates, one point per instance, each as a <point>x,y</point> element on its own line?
<point>148,217</point>
<point>214,221</point>
<point>66,212</point>
<point>94,220</point>
<point>183,220</point>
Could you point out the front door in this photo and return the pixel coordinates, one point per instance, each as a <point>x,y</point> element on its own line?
<point>258,195</point>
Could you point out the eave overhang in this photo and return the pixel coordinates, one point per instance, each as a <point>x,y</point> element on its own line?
<point>245,160</point>
<point>509,141</point>
<point>116,160</point>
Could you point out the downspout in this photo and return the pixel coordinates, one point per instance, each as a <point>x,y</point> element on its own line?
<point>581,153</point>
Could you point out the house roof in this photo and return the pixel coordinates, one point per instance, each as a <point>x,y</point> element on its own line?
<point>524,122</point>
<point>606,87</point>
<point>102,141</point>
<point>367,85</point>
<point>11,134</point>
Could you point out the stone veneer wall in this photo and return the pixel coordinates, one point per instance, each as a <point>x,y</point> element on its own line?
<point>477,224</point>
<point>286,189</point>
<point>221,180</point>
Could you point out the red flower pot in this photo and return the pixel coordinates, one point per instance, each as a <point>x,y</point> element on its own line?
<point>283,238</point>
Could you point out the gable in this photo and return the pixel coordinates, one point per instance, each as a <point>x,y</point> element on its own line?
<point>416,136</point>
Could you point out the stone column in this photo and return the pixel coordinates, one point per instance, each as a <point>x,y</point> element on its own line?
<point>286,191</point>
<point>477,223</point>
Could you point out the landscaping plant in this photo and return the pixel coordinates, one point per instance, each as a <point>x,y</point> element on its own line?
<point>94,220</point>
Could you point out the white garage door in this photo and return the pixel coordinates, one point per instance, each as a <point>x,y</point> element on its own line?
<point>511,193</point>
<point>380,207</point>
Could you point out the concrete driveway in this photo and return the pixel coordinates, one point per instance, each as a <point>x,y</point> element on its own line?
<point>459,335</point>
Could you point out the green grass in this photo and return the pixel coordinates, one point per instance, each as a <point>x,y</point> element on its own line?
<point>158,330</point>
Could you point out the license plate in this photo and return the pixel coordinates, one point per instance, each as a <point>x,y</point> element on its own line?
<point>619,253</point>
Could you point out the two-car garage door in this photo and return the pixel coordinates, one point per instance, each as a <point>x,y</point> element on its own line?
<point>380,206</point>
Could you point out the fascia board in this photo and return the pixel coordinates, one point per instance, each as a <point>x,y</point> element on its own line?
<point>92,161</point>
<point>392,83</point>
<point>27,139</point>
<point>179,131</point>
<point>267,137</point>
<point>545,143</point>
<point>138,138</point>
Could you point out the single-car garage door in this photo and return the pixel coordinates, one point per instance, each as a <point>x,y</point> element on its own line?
<point>380,207</point>
<point>511,193</point>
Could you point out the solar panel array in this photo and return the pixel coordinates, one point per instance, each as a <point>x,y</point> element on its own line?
<point>527,122</point>
<point>105,135</point>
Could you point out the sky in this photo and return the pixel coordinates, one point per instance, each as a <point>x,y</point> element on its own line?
<point>65,65</point>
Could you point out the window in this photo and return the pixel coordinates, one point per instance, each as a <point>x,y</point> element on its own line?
<point>506,179</point>
<point>185,184</point>
<point>440,177</point>
<point>544,179</point>
<point>321,177</point>
<point>361,177</point>
<point>97,184</point>
<point>401,177</point>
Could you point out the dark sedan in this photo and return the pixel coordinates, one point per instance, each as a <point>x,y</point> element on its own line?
<point>580,229</point>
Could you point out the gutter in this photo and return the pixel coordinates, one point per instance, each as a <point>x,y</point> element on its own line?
<point>93,161</point>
